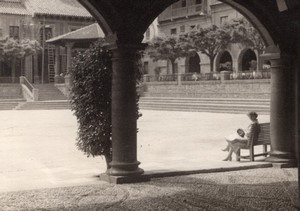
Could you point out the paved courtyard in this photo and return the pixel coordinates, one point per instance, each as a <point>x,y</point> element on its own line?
<point>37,148</point>
<point>41,169</point>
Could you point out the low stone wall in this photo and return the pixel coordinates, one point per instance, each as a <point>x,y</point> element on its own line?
<point>211,89</point>
<point>10,91</point>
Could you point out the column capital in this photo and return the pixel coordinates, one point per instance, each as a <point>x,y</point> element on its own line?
<point>271,53</point>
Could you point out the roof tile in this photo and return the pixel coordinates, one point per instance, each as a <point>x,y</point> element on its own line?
<point>14,8</point>
<point>56,7</point>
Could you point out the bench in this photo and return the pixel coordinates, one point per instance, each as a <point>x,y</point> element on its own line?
<point>262,139</point>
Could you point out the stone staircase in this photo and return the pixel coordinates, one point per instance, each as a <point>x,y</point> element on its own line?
<point>11,104</point>
<point>215,105</point>
<point>48,92</point>
<point>50,98</point>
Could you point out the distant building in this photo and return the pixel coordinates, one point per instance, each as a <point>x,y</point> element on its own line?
<point>40,20</point>
<point>187,15</point>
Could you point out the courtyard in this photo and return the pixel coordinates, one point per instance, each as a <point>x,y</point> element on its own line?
<point>41,169</point>
<point>38,147</point>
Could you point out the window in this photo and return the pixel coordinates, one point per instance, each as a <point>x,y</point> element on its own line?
<point>14,32</point>
<point>223,20</point>
<point>173,31</point>
<point>1,32</point>
<point>182,28</point>
<point>198,1</point>
<point>183,3</point>
<point>192,27</point>
<point>148,34</point>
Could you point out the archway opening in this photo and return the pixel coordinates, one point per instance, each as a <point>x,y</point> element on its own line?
<point>225,62</point>
<point>194,63</point>
<point>249,60</point>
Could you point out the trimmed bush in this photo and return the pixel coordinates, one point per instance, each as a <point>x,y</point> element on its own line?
<point>91,100</point>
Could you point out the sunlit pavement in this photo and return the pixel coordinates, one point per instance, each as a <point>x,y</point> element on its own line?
<point>37,148</point>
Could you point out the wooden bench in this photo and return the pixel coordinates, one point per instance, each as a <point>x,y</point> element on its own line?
<point>263,139</point>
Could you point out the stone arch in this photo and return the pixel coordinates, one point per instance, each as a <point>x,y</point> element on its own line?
<point>222,58</point>
<point>192,63</point>
<point>128,21</point>
<point>245,57</point>
<point>268,37</point>
<point>96,14</point>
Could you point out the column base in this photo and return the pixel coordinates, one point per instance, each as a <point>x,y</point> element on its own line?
<point>281,157</point>
<point>296,204</point>
<point>37,80</point>
<point>125,169</point>
<point>124,179</point>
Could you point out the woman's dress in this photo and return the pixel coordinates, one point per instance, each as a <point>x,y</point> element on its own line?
<point>237,142</point>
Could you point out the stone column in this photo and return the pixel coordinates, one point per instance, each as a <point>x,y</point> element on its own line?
<point>282,114</point>
<point>124,123</point>
<point>69,56</point>
<point>36,77</point>
<point>57,64</point>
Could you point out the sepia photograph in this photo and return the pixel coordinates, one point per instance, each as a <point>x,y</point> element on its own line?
<point>149,105</point>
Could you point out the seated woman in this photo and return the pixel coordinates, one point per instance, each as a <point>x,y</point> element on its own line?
<point>242,138</point>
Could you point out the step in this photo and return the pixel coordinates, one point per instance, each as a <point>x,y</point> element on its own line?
<point>210,95</point>
<point>205,100</point>
<point>46,105</point>
<point>203,110</point>
<point>8,105</point>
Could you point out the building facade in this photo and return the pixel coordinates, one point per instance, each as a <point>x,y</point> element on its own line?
<point>40,20</point>
<point>188,15</point>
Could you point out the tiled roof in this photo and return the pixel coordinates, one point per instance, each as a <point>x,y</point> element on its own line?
<point>56,7</point>
<point>15,8</point>
<point>90,32</point>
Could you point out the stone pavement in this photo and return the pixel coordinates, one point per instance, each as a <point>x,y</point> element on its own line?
<point>257,189</point>
<point>37,148</point>
<point>41,169</point>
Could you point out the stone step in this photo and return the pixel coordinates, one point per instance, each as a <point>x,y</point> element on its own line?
<point>207,95</point>
<point>8,105</point>
<point>224,105</point>
<point>46,105</point>
<point>204,110</point>
<point>49,92</point>
<point>205,100</point>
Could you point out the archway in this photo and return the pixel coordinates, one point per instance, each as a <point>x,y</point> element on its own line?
<point>223,61</point>
<point>193,63</point>
<point>247,60</point>
<point>127,34</point>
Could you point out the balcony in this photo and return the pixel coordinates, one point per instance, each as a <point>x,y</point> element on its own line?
<point>174,13</point>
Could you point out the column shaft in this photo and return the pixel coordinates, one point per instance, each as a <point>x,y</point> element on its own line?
<point>282,111</point>
<point>124,124</point>
<point>57,63</point>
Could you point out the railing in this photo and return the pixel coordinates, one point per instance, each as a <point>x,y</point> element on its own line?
<point>200,76</point>
<point>9,80</point>
<point>251,75</point>
<point>152,78</point>
<point>29,92</point>
<point>207,76</point>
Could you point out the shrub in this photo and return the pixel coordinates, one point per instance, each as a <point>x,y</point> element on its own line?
<point>91,100</point>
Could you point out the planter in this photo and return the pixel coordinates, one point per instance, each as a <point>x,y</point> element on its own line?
<point>225,75</point>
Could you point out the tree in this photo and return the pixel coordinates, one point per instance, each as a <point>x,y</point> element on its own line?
<point>209,41</point>
<point>11,50</point>
<point>91,99</point>
<point>167,48</point>
<point>243,32</point>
